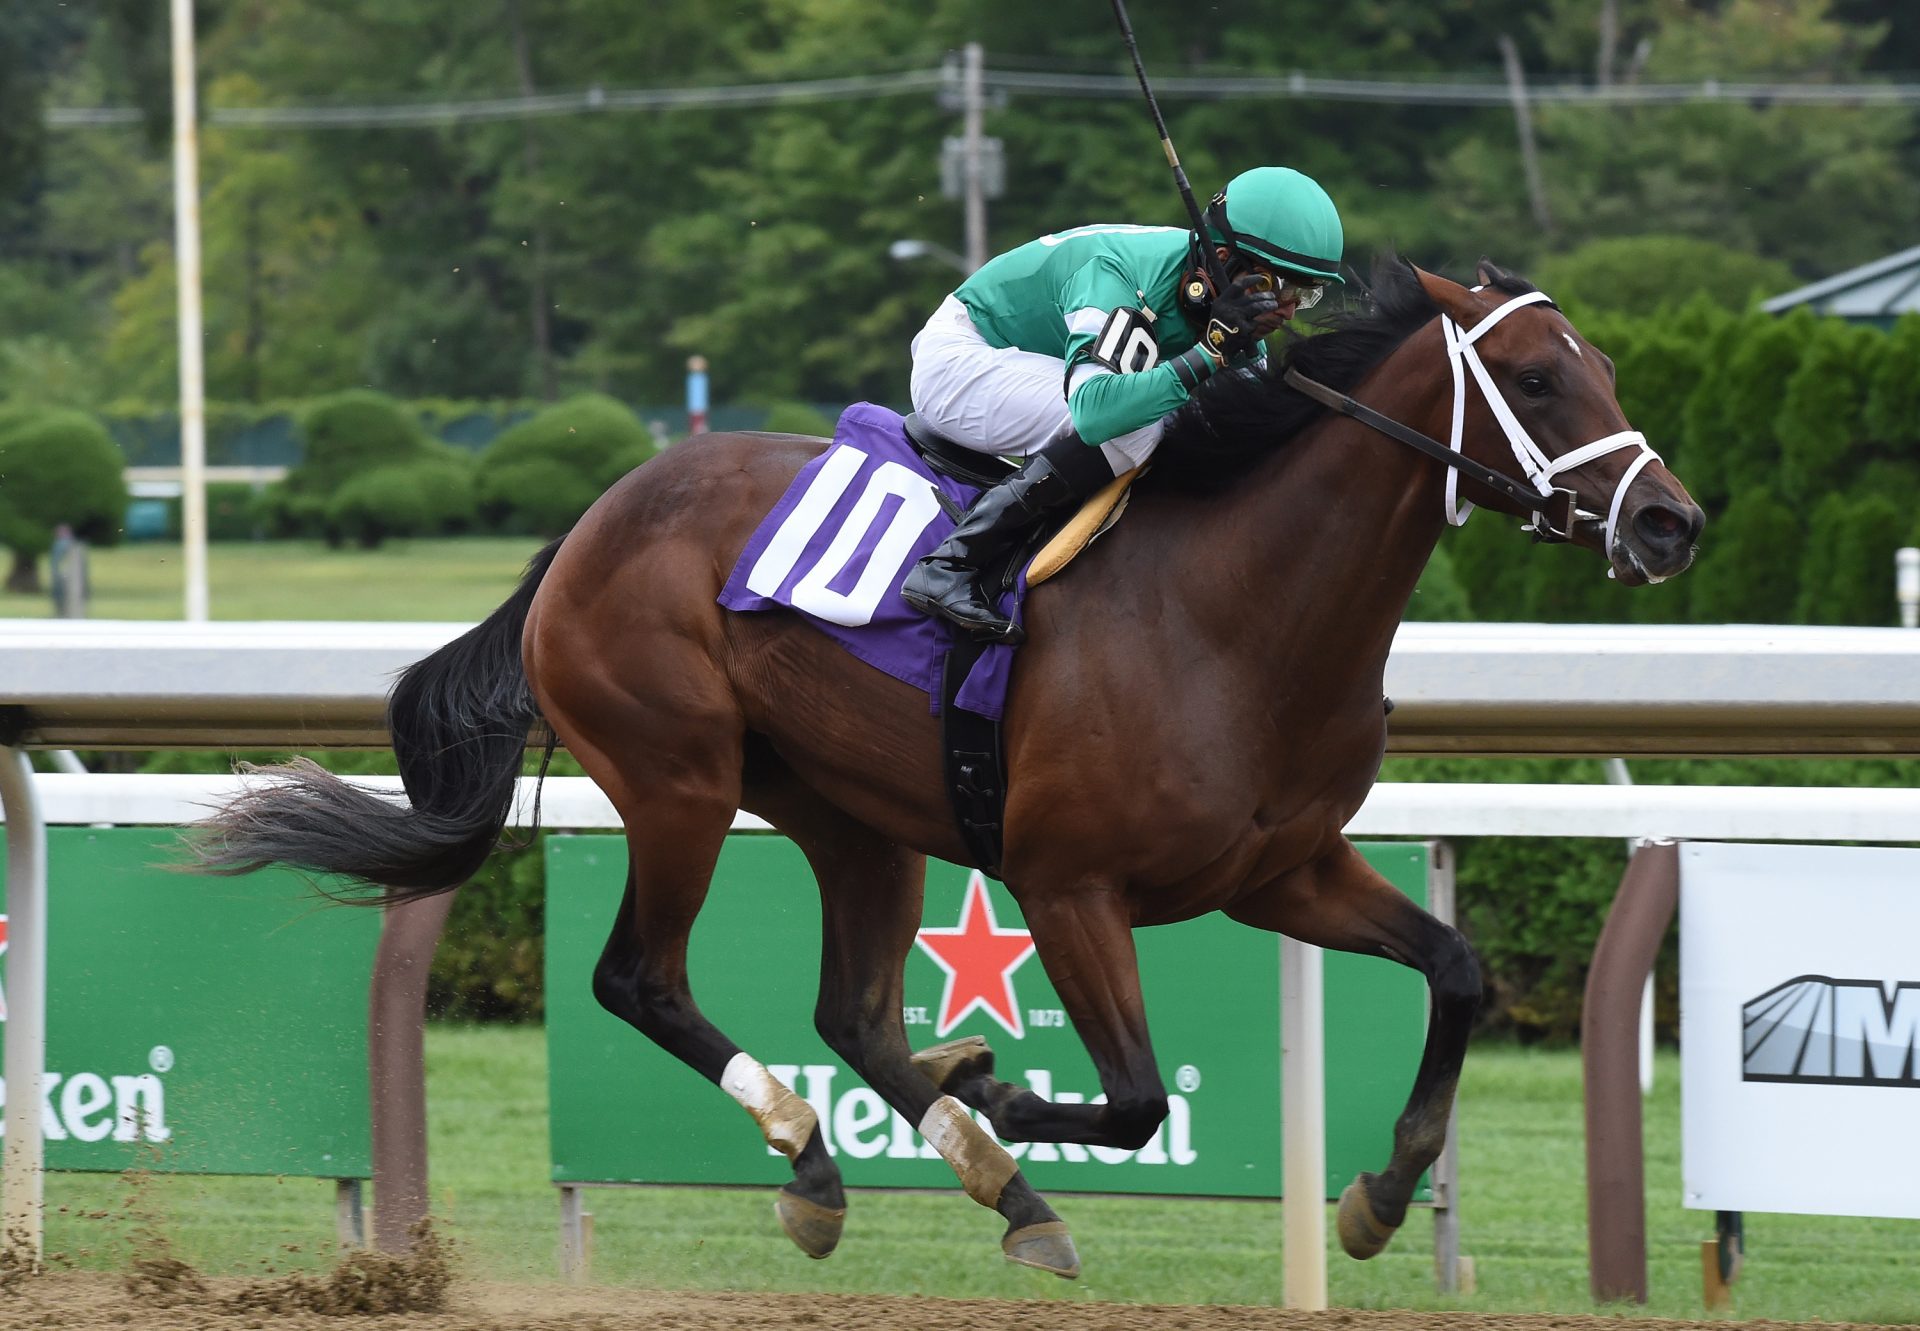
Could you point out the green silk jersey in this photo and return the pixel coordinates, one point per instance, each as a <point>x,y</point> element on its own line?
<point>1054,296</point>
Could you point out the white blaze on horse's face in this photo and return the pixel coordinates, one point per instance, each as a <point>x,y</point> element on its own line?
<point>1467,318</point>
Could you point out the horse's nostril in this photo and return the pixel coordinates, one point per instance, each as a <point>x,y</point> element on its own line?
<point>1660,525</point>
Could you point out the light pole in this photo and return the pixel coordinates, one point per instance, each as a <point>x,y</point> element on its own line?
<point>900,251</point>
<point>186,267</point>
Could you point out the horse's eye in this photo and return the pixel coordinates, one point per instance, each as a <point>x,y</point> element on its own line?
<point>1534,384</point>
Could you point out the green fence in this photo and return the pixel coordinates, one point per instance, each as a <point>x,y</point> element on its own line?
<point>624,1111</point>
<point>200,1025</point>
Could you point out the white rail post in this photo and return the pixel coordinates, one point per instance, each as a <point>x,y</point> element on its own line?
<point>1303,1114</point>
<point>22,1171</point>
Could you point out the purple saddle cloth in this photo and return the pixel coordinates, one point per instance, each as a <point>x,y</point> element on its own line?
<point>837,546</point>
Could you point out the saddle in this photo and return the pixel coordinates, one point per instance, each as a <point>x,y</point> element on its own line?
<point>970,744</point>
<point>1054,544</point>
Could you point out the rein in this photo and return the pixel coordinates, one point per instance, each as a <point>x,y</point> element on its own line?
<point>1555,510</point>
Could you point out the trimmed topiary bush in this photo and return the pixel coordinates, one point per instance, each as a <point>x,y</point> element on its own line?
<point>344,437</point>
<point>542,474</point>
<point>56,467</point>
<point>426,497</point>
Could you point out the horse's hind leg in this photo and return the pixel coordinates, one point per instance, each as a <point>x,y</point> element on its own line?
<point>1341,902</point>
<point>642,979</point>
<point>672,768</point>
<point>870,892</point>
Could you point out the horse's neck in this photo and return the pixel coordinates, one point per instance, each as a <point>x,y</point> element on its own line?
<point>1336,529</point>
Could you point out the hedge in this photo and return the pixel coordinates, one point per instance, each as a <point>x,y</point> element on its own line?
<point>542,474</point>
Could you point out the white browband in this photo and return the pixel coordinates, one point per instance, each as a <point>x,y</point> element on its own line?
<point>1539,468</point>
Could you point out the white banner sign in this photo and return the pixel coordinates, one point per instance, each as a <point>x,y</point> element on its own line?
<point>1800,1029</point>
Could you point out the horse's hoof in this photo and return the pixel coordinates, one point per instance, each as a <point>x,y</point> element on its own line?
<point>1045,1246</point>
<point>815,1228</point>
<point>1361,1232</point>
<point>948,1065</point>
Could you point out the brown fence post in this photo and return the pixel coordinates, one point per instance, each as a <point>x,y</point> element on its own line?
<point>1610,1054</point>
<point>396,1065</point>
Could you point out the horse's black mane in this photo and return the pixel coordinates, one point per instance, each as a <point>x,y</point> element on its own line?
<point>1240,417</point>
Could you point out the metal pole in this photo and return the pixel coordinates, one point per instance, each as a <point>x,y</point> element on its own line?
<point>1445,1175</point>
<point>22,1165</point>
<point>186,260</point>
<point>973,93</point>
<point>1609,1049</point>
<point>396,1063</point>
<point>1303,1116</point>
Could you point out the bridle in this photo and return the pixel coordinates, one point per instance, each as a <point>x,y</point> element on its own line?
<point>1555,510</point>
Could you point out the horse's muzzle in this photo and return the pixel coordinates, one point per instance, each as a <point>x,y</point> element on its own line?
<point>1657,542</point>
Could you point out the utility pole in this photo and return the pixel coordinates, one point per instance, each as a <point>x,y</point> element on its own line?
<point>973,90</point>
<point>972,165</point>
<point>1523,122</point>
<point>1609,43</point>
<point>186,269</point>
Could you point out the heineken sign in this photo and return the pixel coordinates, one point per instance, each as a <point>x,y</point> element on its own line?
<point>199,1025</point>
<point>622,1110</point>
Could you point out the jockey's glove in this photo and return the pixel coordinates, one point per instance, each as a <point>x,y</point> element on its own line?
<point>1235,315</point>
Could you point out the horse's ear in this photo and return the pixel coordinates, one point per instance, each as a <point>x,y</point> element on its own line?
<point>1450,296</point>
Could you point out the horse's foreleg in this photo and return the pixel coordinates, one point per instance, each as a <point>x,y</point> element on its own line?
<point>870,892</point>
<point>1085,941</point>
<point>1341,902</point>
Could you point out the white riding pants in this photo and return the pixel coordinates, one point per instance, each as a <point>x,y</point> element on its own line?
<point>1001,400</point>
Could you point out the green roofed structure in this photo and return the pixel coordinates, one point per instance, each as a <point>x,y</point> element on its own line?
<point>1875,293</point>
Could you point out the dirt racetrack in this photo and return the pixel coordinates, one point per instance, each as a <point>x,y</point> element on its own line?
<point>94,1301</point>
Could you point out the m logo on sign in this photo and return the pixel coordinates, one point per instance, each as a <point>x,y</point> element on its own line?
<point>1821,1031</point>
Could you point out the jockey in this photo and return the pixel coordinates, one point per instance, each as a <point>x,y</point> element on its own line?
<point>1072,350</point>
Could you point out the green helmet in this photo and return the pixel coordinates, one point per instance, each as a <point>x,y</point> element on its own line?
<point>1282,217</point>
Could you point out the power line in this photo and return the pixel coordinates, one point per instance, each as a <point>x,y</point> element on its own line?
<point>1295,86</point>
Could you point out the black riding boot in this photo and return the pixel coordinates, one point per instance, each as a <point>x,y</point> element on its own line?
<point>946,584</point>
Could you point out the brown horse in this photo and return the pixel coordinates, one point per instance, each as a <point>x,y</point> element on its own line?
<point>1191,739</point>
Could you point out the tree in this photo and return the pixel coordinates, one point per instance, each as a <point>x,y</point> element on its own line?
<point>1643,274</point>
<point>1489,558</point>
<point>56,467</point>
<point>1749,572</point>
<point>1892,416</point>
<point>1847,575</point>
<point>1743,176</point>
<point>1820,423</point>
<point>1756,388</point>
<point>1862,591</point>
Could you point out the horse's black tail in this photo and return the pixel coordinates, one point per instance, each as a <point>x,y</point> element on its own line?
<point>460,720</point>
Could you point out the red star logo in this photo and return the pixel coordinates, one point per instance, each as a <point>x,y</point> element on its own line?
<point>979,958</point>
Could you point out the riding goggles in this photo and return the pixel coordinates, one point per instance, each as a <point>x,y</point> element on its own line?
<point>1307,290</point>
